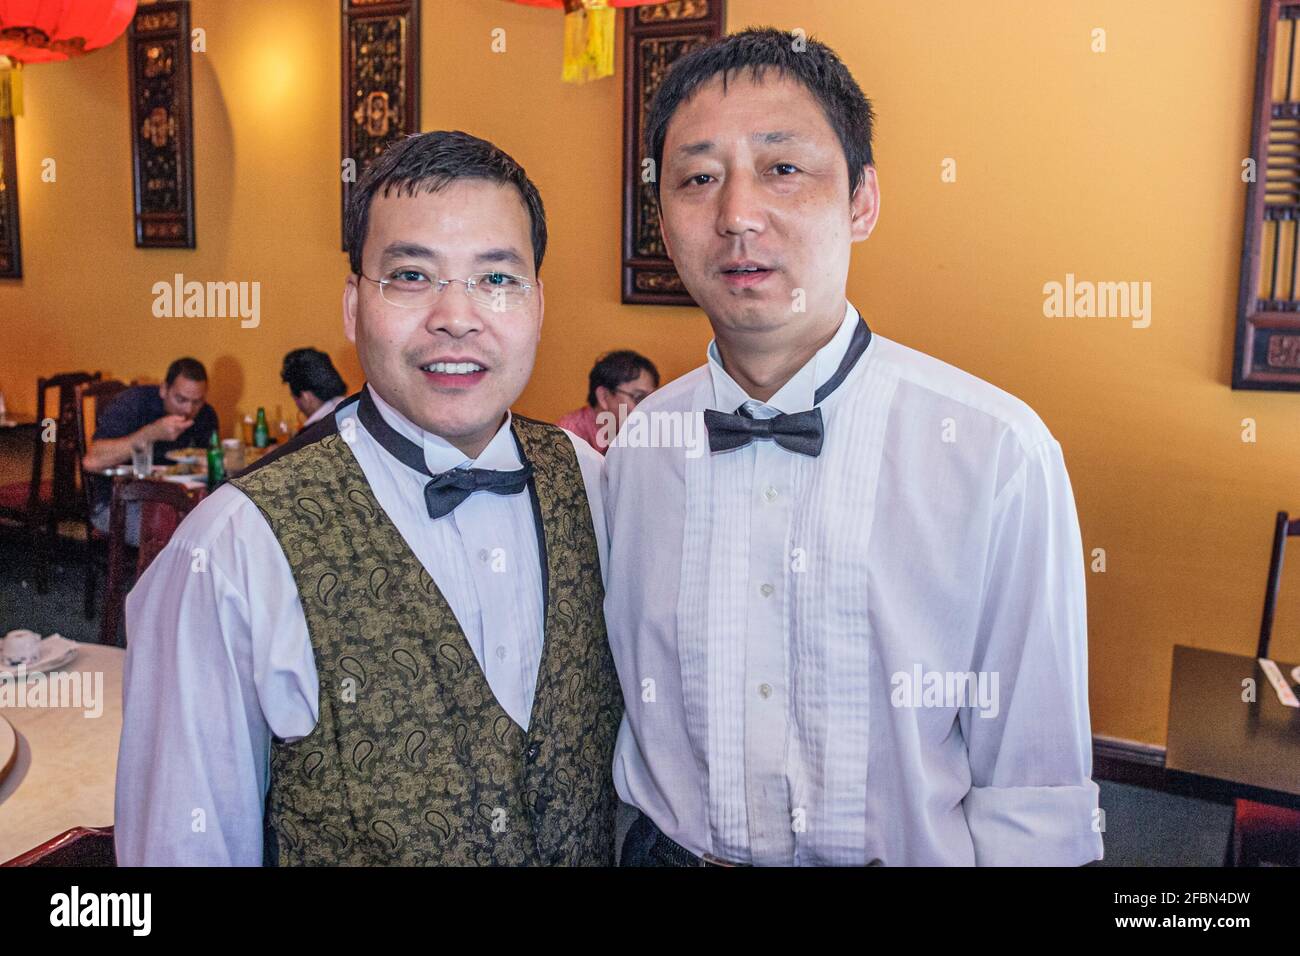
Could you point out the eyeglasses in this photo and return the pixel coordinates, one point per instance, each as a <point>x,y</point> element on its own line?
<point>637,397</point>
<point>412,289</point>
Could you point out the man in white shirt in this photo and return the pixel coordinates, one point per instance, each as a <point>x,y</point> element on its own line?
<point>384,643</point>
<point>851,630</point>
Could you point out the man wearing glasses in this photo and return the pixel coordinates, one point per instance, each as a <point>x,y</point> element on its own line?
<point>619,381</point>
<point>384,643</point>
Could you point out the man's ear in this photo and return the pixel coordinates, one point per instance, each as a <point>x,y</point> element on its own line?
<point>162,391</point>
<point>864,205</point>
<point>351,289</point>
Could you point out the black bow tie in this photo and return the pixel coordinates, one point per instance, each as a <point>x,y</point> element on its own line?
<point>800,432</point>
<point>445,491</point>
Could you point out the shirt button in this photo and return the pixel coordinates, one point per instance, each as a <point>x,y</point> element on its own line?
<point>766,590</point>
<point>765,691</point>
<point>501,652</point>
<point>770,494</point>
<point>483,554</point>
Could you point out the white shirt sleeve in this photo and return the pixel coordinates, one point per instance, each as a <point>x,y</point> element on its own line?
<point>201,698</point>
<point>1032,801</point>
<point>592,465</point>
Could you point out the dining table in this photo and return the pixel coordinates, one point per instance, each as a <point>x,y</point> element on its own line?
<point>1230,734</point>
<point>58,764</point>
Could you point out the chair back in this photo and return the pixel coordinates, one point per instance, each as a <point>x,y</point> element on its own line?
<point>91,399</point>
<point>64,501</point>
<point>80,846</point>
<point>163,506</point>
<point>1284,528</point>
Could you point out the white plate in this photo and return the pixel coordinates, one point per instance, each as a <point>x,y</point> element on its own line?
<point>56,651</point>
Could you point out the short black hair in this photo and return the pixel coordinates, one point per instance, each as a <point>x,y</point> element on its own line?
<point>812,63</point>
<point>429,162</point>
<point>190,368</point>
<point>310,370</point>
<point>618,368</point>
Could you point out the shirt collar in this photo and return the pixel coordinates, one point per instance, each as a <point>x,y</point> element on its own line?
<point>795,395</point>
<point>325,408</point>
<point>501,453</point>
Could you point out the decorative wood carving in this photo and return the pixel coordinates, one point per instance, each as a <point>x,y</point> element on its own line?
<point>162,125</point>
<point>654,38</point>
<point>1267,354</point>
<point>381,80</point>
<point>11,257</point>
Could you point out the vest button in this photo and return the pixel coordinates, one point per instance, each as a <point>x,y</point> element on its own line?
<point>532,751</point>
<point>539,806</point>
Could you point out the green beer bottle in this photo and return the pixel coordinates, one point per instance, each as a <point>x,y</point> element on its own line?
<point>216,463</point>
<point>261,435</point>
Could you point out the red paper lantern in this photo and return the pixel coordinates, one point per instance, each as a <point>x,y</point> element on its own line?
<point>42,31</point>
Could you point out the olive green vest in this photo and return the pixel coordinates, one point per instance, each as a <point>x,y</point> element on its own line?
<point>413,761</point>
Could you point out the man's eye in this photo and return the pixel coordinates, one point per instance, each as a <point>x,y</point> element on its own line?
<point>500,280</point>
<point>407,277</point>
<point>789,167</point>
<point>698,180</point>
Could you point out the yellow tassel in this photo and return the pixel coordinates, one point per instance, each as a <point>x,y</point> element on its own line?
<point>589,42</point>
<point>11,90</point>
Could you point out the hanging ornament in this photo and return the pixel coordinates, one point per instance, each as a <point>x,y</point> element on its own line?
<point>588,35</point>
<point>11,88</point>
<point>43,32</point>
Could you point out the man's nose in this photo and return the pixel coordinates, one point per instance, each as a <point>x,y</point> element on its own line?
<point>740,206</point>
<point>453,312</point>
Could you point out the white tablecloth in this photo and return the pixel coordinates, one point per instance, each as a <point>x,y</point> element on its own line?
<point>64,773</point>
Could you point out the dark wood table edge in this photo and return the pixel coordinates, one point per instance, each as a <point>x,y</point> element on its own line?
<point>1189,783</point>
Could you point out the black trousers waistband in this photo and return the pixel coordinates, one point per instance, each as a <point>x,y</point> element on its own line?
<point>647,845</point>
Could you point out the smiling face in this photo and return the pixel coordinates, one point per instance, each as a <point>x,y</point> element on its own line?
<point>455,366</point>
<point>756,211</point>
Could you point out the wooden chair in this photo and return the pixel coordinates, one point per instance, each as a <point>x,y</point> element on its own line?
<point>38,505</point>
<point>97,395</point>
<point>1261,832</point>
<point>80,846</point>
<point>162,508</point>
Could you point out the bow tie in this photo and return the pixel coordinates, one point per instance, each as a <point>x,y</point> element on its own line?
<point>798,432</point>
<point>448,489</point>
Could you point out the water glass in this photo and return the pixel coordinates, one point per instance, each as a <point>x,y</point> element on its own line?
<point>142,459</point>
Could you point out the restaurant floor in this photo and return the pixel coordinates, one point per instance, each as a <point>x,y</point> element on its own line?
<point>1143,827</point>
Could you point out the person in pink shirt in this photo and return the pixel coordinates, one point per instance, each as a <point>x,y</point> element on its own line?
<point>617,383</point>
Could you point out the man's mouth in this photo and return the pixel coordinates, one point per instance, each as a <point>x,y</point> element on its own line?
<point>454,374</point>
<point>745,274</point>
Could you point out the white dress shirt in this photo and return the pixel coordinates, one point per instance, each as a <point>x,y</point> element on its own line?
<point>219,657</point>
<point>326,408</point>
<point>763,604</point>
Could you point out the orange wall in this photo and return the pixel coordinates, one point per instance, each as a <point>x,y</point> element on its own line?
<point>1114,166</point>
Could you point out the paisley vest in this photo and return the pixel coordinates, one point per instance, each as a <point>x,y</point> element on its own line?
<point>413,761</point>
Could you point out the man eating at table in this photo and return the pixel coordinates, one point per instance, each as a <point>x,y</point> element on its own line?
<point>383,644</point>
<point>173,415</point>
<point>854,631</point>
